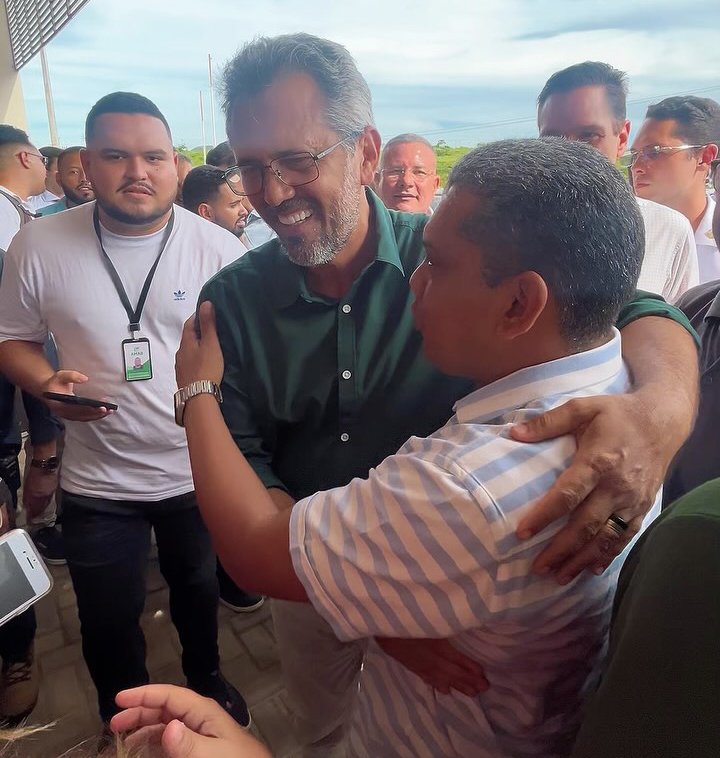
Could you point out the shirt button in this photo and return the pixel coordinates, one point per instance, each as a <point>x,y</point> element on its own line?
<point>346,308</point>
<point>344,437</point>
<point>346,374</point>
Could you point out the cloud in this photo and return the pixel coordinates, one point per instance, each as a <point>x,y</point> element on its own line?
<point>433,67</point>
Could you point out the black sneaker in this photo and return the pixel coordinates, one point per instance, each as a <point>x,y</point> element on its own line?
<point>231,596</point>
<point>221,691</point>
<point>49,542</point>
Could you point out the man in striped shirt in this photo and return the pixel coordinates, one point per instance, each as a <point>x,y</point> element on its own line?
<point>515,293</point>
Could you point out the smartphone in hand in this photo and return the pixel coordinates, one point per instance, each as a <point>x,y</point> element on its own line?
<point>90,402</point>
<point>23,576</point>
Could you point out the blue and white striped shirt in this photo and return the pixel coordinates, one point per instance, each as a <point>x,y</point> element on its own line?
<point>426,547</point>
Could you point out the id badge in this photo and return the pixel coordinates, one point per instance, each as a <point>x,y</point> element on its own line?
<point>137,360</point>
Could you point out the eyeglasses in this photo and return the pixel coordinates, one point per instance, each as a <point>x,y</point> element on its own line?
<point>294,170</point>
<point>653,152</point>
<point>420,175</point>
<point>43,158</point>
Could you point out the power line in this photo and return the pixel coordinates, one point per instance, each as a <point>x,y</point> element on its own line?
<point>531,119</point>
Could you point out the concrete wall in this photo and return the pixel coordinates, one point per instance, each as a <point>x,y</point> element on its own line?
<point>12,104</point>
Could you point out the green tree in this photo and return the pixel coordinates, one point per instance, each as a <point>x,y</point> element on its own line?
<point>447,157</point>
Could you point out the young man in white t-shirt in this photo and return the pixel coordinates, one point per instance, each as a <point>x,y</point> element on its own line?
<point>82,275</point>
<point>587,102</point>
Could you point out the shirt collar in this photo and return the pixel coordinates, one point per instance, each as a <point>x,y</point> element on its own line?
<point>558,377</point>
<point>704,234</point>
<point>289,281</point>
<point>15,195</point>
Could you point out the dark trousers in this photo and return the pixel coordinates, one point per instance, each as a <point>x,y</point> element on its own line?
<point>107,544</point>
<point>17,636</point>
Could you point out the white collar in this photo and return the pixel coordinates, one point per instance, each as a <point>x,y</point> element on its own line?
<point>558,377</point>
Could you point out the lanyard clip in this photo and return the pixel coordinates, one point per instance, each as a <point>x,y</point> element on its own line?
<point>134,327</point>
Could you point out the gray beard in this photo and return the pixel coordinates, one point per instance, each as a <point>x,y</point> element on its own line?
<point>343,219</point>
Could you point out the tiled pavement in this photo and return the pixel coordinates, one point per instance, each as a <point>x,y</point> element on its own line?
<point>248,655</point>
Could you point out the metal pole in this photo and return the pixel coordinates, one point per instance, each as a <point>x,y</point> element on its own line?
<point>49,99</point>
<point>202,125</point>
<point>212,99</point>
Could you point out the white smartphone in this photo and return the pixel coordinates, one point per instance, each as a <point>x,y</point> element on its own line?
<point>23,576</point>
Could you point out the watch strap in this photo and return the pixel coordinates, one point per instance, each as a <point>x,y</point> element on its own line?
<point>199,387</point>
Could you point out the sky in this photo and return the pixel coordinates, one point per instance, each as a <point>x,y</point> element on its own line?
<point>452,70</point>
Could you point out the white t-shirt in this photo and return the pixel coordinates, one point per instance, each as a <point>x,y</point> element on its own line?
<point>670,265</point>
<point>9,218</point>
<point>707,249</point>
<point>55,281</point>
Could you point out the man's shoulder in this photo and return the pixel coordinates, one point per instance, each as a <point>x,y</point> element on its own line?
<point>408,230</point>
<point>195,226</point>
<point>55,231</point>
<point>660,218</point>
<point>257,267</point>
<point>696,301</point>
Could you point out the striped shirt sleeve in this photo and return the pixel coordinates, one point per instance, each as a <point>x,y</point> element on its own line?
<point>408,552</point>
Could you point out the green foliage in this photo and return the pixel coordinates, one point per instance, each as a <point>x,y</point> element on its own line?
<point>195,154</point>
<point>447,157</point>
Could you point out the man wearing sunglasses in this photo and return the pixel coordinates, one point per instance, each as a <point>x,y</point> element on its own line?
<point>22,174</point>
<point>671,159</point>
<point>587,102</point>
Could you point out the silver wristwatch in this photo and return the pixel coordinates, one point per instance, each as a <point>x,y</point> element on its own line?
<point>200,387</point>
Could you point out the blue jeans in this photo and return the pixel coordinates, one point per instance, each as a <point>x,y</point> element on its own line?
<point>107,544</point>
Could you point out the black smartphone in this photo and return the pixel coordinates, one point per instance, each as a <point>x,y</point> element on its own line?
<point>77,400</point>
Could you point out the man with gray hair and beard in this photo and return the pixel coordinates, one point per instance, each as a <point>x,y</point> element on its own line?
<point>324,372</point>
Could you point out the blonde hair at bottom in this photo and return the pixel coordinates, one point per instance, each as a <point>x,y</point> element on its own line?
<point>9,747</point>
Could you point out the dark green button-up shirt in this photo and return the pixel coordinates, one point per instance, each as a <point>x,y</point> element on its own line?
<point>318,391</point>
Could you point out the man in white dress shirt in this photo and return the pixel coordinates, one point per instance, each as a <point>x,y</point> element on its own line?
<point>672,157</point>
<point>587,102</point>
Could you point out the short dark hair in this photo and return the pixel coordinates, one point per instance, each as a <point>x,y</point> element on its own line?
<point>330,65</point>
<point>50,152</point>
<point>590,74</point>
<point>697,119</point>
<point>67,152</point>
<point>201,185</point>
<point>11,135</point>
<point>121,102</point>
<point>559,208</point>
<point>221,155</point>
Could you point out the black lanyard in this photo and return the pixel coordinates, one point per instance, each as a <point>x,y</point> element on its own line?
<point>133,314</point>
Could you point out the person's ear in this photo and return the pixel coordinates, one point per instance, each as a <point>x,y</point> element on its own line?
<point>708,155</point>
<point>25,160</point>
<point>369,144</point>
<point>86,162</point>
<point>206,212</point>
<point>526,296</point>
<point>623,139</point>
